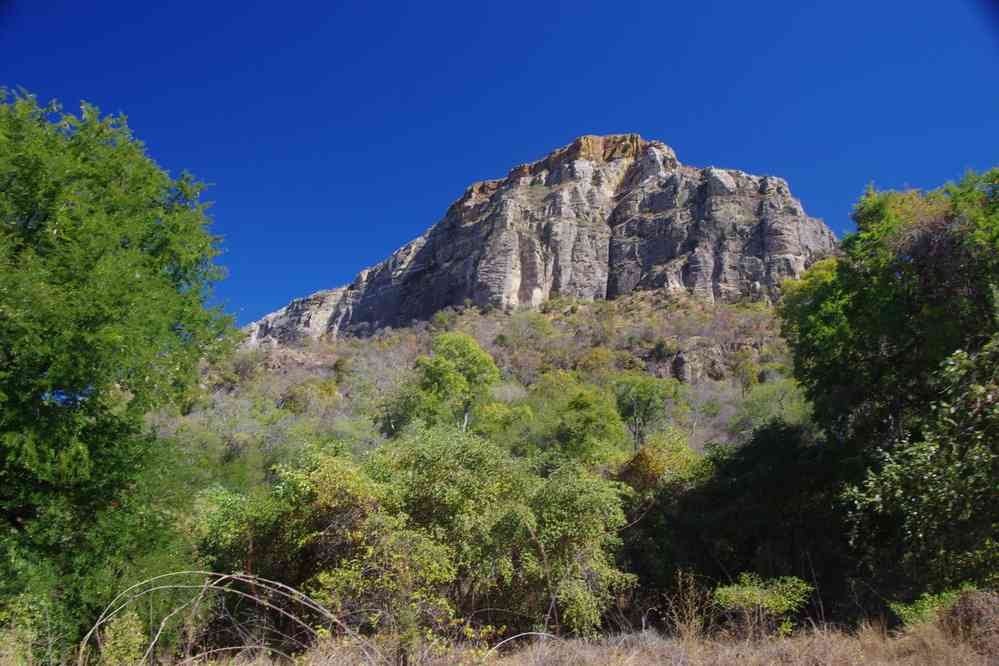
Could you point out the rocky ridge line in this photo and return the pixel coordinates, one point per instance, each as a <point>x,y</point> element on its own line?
<point>599,218</point>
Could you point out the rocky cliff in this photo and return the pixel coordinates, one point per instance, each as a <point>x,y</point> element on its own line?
<point>601,217</point>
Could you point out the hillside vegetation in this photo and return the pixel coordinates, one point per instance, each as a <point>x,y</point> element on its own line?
<point>651,478</point>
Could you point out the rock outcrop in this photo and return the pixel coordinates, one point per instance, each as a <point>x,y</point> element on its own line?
<point>599,218</point>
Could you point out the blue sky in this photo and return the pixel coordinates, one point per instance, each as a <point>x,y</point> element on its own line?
<point>335,132</point>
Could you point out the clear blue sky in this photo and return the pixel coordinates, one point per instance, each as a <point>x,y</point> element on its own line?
<point>336,132</point>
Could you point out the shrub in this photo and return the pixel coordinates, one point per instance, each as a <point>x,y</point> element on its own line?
<point>124,641</point>
<point>33,628</point>
<point>597,363</point>
<point>689,607</point>
<point>443,320</point>
<point>246,364</point>
<point>310,395</point>
<point>642,401</point>
<point>541,549</point>
<point>664,459</point>
<point>974,618</point>
<point>588,427</point>
<point>757,607</point>
<point>781,399</point>
<point>927,607</point>
<point>576,518</point>
<point>664,349</point>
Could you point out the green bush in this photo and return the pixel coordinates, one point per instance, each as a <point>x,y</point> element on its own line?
<point>664,349</point>
<point>932,496</point>
<point>34,628</point>
<point>124,641</point>
<point>642,401</point>
<point>757,607</point>
<point>928,607</point>
<point>665,459</point>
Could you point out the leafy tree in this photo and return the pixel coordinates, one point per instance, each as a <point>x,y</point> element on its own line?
<point>460,489</point>
<point>916,287</point>
<point>664,460</point>
<point>105,267</point>
<point>493,420</point>
<point>781,399</point>
<point>934,495</point>
<point>574,527</point>
<point>326,527</point>
<point>438,525</point>
<point>469,360</point>
<point>915,283</point>
<point>642,400</point>
<point>560,419</point>
<point>746,369</point>
<point>588,428</point>
<point>540,549</point>
<point>447,384</point>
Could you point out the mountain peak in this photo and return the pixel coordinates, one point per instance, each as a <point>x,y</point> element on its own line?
<point>600,217</point>
<point>592,148</point>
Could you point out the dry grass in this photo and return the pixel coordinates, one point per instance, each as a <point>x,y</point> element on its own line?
<point>925,645</point>
<point>966,634</point>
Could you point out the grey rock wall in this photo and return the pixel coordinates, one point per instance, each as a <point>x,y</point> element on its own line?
<point>599,218</point>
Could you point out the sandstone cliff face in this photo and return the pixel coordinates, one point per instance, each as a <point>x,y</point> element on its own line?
<point>599,218</point>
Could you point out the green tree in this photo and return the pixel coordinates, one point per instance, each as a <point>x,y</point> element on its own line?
<point>105,270</point>
<point>461,490</point>
<point>564,419</point>
<point>916,287</point>
<point>574,524</point>
<point>916,282</point>
<point>447,385</point>
<point>664,460</point>
<point>771,505</point>
<point>588,428</point>
<point>642,400</point>
<point>781,399</point>
<point>496,420</point>
<point>746,369</point>
<point>935,496</point>
<point>329,528</point>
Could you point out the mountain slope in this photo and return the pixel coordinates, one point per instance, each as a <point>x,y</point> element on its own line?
<point>599,218</point>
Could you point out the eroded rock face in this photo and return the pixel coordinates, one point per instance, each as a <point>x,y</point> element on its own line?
<point>599,218</point>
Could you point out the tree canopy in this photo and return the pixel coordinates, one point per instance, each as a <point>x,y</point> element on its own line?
<point>894,342</point>
<point>105,269</point>
<point>446,385</point>
<point>915,283</point>
<point>642,400</point>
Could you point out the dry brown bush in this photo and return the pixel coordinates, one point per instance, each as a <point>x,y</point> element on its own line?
<point>974,619</point>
